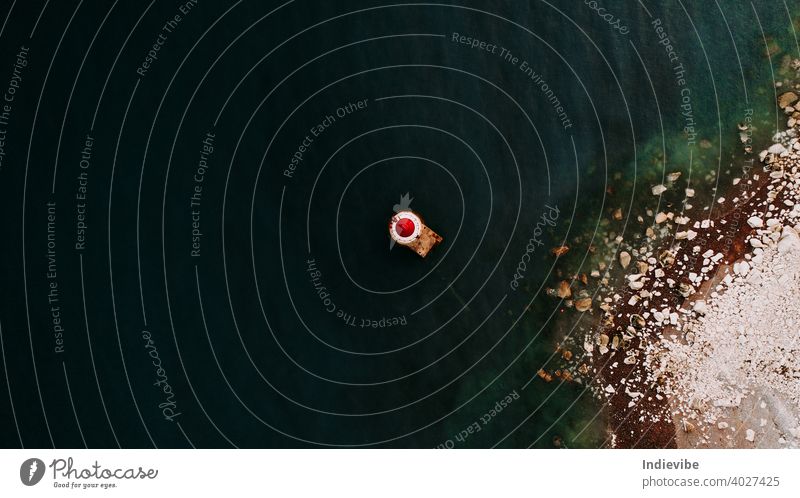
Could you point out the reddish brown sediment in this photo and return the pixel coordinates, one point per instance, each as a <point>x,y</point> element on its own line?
<point>642,317</point>
<point>641,357</point>
<point>648,423</point>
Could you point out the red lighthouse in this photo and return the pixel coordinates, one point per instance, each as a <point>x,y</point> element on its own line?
<point>407,229</point>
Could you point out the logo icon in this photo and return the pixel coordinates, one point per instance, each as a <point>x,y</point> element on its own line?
<point>404,205</point>
<point>31,471</point>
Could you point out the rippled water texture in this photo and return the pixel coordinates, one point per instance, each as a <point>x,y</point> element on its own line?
<point>195,199</point>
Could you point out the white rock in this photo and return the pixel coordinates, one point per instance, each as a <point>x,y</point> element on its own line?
<point>776,149</point>
<point>755,222</point>
<point>673,176</point>
<point>700,307</point>
<point>789,240</point>
<point>659,189</point>
<point>751,435</point>
<point>624,259</point>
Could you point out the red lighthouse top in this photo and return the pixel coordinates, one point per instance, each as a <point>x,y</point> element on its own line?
<point>405,227</point>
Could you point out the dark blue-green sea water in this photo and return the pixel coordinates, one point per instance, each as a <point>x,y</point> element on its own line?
<point>195,208</point>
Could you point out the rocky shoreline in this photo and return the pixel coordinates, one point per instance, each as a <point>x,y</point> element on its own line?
<point>694,345</point>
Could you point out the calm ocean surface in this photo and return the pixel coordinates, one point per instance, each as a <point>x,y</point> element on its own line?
<point>236,285</point>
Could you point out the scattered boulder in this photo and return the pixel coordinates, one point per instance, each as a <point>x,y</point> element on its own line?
<point>584,304</point>
<point>755,222</point>
<point>624,259</point>
<point>659,189</point>
<point>776,149</point>
<point>789,240</point>
<point>564,291</point>
<point>787,99</point>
